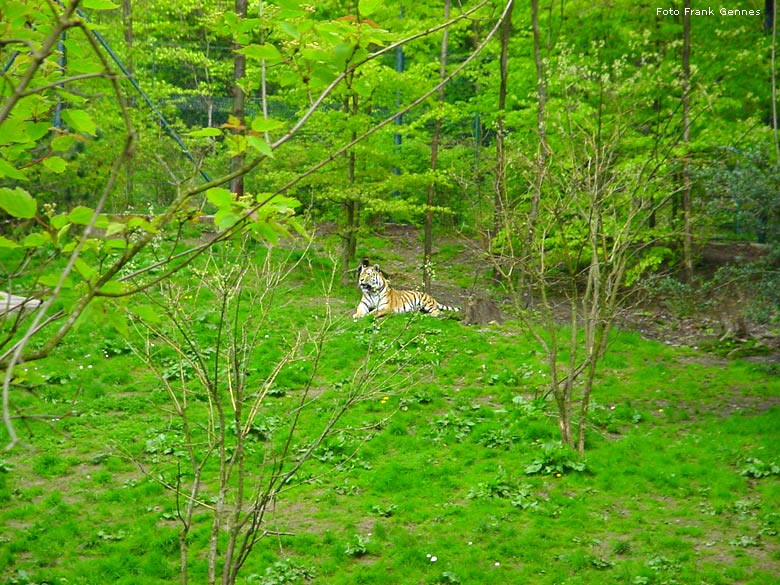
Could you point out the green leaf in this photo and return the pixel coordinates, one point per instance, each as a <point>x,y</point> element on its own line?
<point>10,171</point>
<point>37,131</point>
<point>342,52</point>
<point>225,218</point>
<point>80,121</point>
<point>316,55</point>
<point>85,270</point>
<point>146,313</point>
<point>6,243</point>
<point>115,244</point>
<point>535,467</point>
<point>262,52</point>
<point>59,221</point>
<point>260,145</point>
<point>113,287</point>
<point>290,29</point>
<point>99,5</point>
<point>55,164</point>
<point>63,142</point>
<point>81,66</point>
<point>18,202</point>
<point>108,311</point>
<point>298,227</point>
<point>282,204</point>
<point>114,228</point>
<point>289,9</point>
<point>206,132</point>
<point>324,75</point>
<point>140,222</point>
<point>62,232</point>
<point>220,197</point>
<point>369,7</point>
<point>236,144</point>
<point>81,215</point>
<point>118,319</point>
<point>267,231</point>
<point>261,124</point>
<point>53,278</point>
<point>14,131</point>
<point>36,240</point>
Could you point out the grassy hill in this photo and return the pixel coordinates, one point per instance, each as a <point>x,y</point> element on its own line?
<point>444,467</point>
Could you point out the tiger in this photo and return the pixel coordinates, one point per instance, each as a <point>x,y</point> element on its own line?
<point>382,300</point>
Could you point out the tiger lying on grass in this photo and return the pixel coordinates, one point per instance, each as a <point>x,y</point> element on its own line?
<point>382,300</point>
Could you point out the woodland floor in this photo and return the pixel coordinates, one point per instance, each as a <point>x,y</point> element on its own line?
<point>719,321</point>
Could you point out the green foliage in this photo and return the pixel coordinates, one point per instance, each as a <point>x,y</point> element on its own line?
<point>756,468</point>
<point>519,495</point>
<point>357,546</point>
<point>457,424</point>
<point>285,571</point>
<point>555,459</point>
<point>741,185</point>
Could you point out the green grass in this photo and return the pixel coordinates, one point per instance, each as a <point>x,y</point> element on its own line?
<point>662,497</point>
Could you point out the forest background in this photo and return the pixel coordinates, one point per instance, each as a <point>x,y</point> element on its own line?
<point>588,152</point>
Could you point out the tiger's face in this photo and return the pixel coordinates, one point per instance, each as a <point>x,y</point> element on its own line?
<point>370,279</point>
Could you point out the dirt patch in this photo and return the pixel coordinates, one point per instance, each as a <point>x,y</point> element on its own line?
<point>736,404</point>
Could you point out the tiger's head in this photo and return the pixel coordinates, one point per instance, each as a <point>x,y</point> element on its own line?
<point>370,278</point>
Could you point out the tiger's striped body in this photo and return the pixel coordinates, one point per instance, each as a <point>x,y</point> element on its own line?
<point>380,299</point>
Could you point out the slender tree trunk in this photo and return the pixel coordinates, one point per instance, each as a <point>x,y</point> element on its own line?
<point>264,76</point>
<point>352,204</point>
<point>428,228</point>
<point>499,184</point>
<point>543,149</point>
<point>238,109</point>
<point>127,26</point>
<point>541,112</point>
<point>686,202</point>
<point>771,14</point>
<point>349,248</point>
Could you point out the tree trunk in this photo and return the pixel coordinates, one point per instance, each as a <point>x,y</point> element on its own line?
<point>349,237</point>
<point>772,25</point>
<point>428,227</point>
<point>352,204</point>
<point>542,153</point>
<point>541,125</point>
<point>127,26</point>
<point>686,203</point>
<point>239,72</point>
<point>499,183</point>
